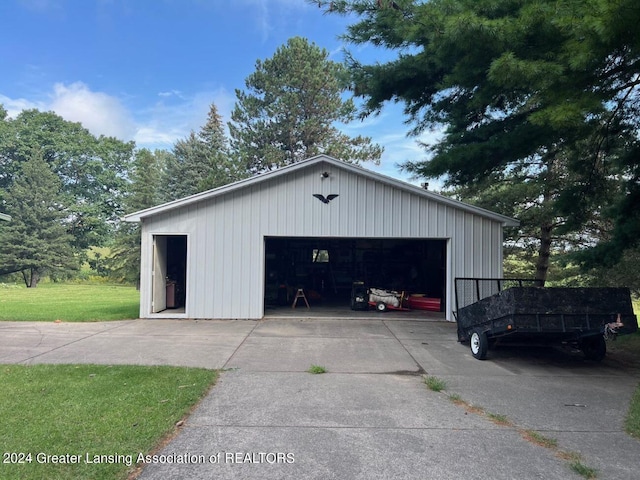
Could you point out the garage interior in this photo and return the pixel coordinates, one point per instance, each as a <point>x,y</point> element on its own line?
<point>169,281</point>
<point>326,268</point>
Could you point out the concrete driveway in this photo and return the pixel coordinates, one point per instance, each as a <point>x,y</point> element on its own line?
<point>371,416</point>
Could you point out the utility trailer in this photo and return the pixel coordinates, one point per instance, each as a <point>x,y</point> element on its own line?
<point>521,312</point>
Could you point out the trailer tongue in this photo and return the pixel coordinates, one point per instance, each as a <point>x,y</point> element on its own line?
<point>581,317</point>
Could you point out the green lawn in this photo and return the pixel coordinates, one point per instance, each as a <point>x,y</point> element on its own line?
<point>68,302</point>
<point>629,345</point>
<point>632,422</point>
<point>86,412</point>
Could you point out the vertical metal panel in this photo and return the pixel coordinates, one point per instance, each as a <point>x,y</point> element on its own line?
<point>226,265</point>
<point>145,272</point>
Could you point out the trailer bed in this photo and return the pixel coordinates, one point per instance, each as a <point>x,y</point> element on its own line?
<point>579,316</point>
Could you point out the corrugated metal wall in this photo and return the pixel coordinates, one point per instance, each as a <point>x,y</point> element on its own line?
<point>225,266</point>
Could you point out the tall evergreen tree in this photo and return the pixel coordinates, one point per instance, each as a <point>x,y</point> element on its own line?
<point>290,110</point>
<point>537,99</point>
<point>36,241</point>
<point>201,161</point>
<point>224,168</point>
<point>144,192</point>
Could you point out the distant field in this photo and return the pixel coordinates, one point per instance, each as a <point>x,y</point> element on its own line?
<point>68,302</point>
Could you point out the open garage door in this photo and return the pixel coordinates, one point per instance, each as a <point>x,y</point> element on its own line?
<point>326,268</point>
<point>169,274</point>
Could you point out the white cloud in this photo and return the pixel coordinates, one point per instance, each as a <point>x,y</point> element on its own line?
<point>268,15</point>
<point>171,118</point>
<point>151,136</point>
<point>100,113</point>
<point>14,106</point>
<point>171,93</point>
<point>176,114</point>
<point>41,6</point>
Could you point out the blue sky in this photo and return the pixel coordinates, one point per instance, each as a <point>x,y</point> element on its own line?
<point>147,70</point>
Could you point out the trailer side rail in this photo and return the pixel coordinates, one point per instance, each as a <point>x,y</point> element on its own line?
<point>589,323</point>
<point>470,290</point>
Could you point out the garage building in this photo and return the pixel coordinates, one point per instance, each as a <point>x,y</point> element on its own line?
<point>320,225</point>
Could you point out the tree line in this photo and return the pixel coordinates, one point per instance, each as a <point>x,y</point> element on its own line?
<point>537,102</point>
<point>67,189</point>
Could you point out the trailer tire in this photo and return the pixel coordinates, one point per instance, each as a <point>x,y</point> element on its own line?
<point>381,307</point>
<point>594,348</point>
<point>479,344</point>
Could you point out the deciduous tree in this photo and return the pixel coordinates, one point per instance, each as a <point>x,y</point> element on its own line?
<point>92,170</point>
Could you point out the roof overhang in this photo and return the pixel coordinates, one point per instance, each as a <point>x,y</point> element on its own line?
<point>358,170</point>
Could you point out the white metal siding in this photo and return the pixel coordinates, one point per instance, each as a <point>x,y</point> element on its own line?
<point>226,242</point>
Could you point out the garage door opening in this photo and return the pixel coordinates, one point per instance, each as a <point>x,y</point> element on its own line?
<point>169,277</point>
<point>326,269</point>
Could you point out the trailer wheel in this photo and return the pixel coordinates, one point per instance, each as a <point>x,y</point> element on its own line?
<point>594,348</point>
<point>479,344</point>
<point>381,307</point>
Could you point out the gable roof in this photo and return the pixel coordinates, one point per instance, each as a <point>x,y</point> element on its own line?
<point>248,182</point>
<point>5,217</point>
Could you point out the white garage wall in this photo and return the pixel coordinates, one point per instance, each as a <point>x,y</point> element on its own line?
<point>226,232</point>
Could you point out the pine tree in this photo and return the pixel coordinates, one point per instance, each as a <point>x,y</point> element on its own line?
<point>290,111</point>
<point>537,100</point>
<point>225,168</point>
<point>36,241</point>
<point>144,192</point>
<point>201,161</point>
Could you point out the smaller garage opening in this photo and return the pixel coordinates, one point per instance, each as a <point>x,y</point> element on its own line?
<point>326,268</point>
<point>169,279</point>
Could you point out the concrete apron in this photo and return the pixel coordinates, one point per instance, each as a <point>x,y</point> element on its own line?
<point>371,416</point>
<point>346,313</point>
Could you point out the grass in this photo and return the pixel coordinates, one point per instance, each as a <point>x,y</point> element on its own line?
<point>90,410</point>
<point>583,470</point>
<point>574,461</point>
<point>632,422</point>
<point>627,348</point>
<point>435,384</point>
<point>499,419</point>
<point>317,369</point>
<point>539,439</point>
<point>67,302</point>
<point>459,401</point>
<point>627,344</point>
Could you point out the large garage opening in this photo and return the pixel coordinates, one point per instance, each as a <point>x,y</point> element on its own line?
<point>327,268</point>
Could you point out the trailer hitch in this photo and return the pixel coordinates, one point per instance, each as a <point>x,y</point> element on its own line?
<point>610,330</point>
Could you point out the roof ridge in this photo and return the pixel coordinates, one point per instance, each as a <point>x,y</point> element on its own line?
<point>357,169</point>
